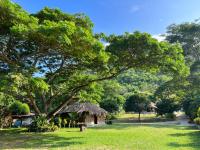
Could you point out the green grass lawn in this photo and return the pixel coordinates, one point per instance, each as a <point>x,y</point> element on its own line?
<point>135,116</point>
<point>116,137</point>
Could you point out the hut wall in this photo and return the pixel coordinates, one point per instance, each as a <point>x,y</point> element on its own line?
<point>89,120</point>
<point>101,120</point>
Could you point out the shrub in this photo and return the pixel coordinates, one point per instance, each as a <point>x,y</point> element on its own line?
<point>19,108</point>
<point>40,124</point>
<point>110,117</point>
<point>197,120</point>
<point>170,116</point>
<point>25,109</point>
<point>191,107</point>
<point>198,112</point>
<point>58,121</point>
<point>5,118</point>
<point>64,122</point>
<point>109,122</point>
<point>166,106</point>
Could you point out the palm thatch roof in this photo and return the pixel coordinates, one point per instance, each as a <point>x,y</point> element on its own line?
<point>152,105</point>
<point>23,116</point>
<point>79,108</point>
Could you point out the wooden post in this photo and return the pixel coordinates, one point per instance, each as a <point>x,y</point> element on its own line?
<point>82,126</point>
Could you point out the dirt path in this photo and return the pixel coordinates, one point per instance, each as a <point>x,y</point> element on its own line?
<point>181,120</point>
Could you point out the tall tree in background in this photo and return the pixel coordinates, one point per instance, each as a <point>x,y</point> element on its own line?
<point>47,58</point>
<point>139,81</point>
<point>188,35</point>
<point>136,103</point>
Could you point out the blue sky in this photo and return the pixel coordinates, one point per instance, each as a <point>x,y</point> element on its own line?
<point>119,16</point>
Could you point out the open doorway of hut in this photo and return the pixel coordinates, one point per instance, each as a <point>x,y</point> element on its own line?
<point>95,119</point>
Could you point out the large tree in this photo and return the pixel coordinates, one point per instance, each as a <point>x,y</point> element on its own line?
<point>188,35</point>
<point>136,103</point>
<point>47,58</point>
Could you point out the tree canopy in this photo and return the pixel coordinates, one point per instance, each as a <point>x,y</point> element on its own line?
<point>136,103</point>
<point>50,56</point>
<point>188,35</point>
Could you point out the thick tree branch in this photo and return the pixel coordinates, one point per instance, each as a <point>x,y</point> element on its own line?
<point>33,103</point>
<point>70,98</point>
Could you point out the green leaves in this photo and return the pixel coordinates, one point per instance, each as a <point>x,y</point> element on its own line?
<point>136,103</point>
<point>141,51</point>
<point>188,35</point>
<point>19,108</point>
<point>38,84</point>
<point>51,56</point>
<point>12,14</point>
<point>20,84</point>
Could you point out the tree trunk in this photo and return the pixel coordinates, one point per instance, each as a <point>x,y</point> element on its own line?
<point>55,111</point>
<point>46,106</point>
<point>36,109</point>
<point>139,117</point>
<point>77,89</point>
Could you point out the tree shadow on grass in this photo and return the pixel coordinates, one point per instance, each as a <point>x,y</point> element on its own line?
<point>18,139</point>
<point>122,126</point>
<point>190,132</point>
<point>193,136</point>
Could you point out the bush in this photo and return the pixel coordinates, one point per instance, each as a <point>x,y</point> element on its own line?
<point>167,106</point>
<point>25,109</point>
<point>170,116</point>
<point>58,121</point>
<point>198,112</point>
<point>64,122</point>
<point>19,108</point>
<point>197,120</point>
<point>110,117</point>
<point>108,122</point>
<point>40,124</point>
<point>191,107</point>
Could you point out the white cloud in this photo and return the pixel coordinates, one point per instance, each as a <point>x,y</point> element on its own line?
<point>159,37</point>
<point>134,9</point>
<point>106,44</point>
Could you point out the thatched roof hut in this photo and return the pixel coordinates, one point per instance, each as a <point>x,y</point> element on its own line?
<point>152,106</point>
<point>92,113</point>
<point>79,108</point>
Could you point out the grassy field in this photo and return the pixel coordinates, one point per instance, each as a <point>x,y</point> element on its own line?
<point>135,116</point>
<point>113,137</point>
